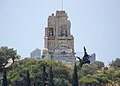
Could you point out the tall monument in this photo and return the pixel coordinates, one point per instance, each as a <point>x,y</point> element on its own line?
<point>58,41</point>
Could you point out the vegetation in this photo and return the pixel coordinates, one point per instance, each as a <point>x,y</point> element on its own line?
<point>28,78</point>
<point>19,75</point>
<point>98,75</point>
<point>4,82</point>
<point>51,82</point>
<point>7,54</point>
<point>75,77</point>
<point>44,75</point>
<point>29,72</point>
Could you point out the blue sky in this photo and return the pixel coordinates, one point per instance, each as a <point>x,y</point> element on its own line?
<point>95,24</point>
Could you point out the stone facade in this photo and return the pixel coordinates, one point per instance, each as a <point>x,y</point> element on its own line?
<point>58,41</point>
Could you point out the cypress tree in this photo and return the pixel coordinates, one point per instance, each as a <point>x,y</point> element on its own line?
<point>28,78</point>
<point>75,77</point>
<point>44,76</point>
<point>51,83</point>
<point>4,82</point>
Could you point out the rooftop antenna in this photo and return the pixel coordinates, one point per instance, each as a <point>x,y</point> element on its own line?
<point>62,5</point>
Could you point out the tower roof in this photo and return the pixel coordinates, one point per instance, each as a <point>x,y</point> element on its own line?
<point>61,14</point>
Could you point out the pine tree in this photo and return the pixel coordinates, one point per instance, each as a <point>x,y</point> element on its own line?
<point>75,77</point>
<point>44,76</point>
<point>28,78</point>
<point>51,83</point>
<point>4,83</point>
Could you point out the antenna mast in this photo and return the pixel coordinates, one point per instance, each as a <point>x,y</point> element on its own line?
<point>62,5</point>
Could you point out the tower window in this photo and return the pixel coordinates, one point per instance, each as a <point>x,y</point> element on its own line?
<point>50,31</point>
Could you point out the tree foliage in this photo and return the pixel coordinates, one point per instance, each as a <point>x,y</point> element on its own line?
<point>95,74</point>
<point>113,75</point>
<point>116,63</point>
<point>5,55</point>
<point>44,75</point>
<point>61,82</point>
<point>50,79</point>
<point>17,73</point>
<point>98,65</point>
<point>75,77</point>
<point>4,81</point>
<point>28,78</point>
<point>88,80</point>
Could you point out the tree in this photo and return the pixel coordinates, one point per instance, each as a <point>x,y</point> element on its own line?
<point>116,63</point>
<point>18,72</point>
<point>4,79</point>
<point>102,78</point>
<point>89,80</point>
<point>44,76</point>
<point>110,74</point>
<point>86,69</point>
<point>5,55</point>
<point>50,83</point>
<point>28,78</point>
<point>117,76</point>
<point>98,65</point>
<point>61,82</point>
<point>75,77</point>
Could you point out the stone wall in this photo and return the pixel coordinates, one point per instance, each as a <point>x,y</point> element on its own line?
<point>58,38</point>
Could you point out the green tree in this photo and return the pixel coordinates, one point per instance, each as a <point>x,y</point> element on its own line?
<point>98,65</point>
<point>75,77</point>
<point>5,55</point>
<point>116,63</point>
<point>44,76</point>
<point>88,80</point>
<point>28,78</point>
<point>85,70</point>
<point>102,78</point>
<point>50,79</point>
<point>110,74</point>
<point>61,82</point>
<point>17,74</point>
<point>4,82</point>
<point>117,76</point>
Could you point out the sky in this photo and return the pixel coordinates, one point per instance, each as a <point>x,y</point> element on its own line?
<point>95,24</point>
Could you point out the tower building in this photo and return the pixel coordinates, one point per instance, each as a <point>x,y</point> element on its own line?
<point>58,41</point>
<point>36,54</point>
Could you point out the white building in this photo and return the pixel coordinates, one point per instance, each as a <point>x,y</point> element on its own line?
<point>92,58</point>
<point>35,54</point>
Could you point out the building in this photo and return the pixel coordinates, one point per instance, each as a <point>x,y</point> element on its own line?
<point>35,54</point>
<point>58,41</point>
<point>92,58</point>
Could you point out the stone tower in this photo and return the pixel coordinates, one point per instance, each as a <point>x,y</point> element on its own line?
<point>58,41</point>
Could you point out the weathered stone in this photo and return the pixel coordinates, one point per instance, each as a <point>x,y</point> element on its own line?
<point>58,41</point>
